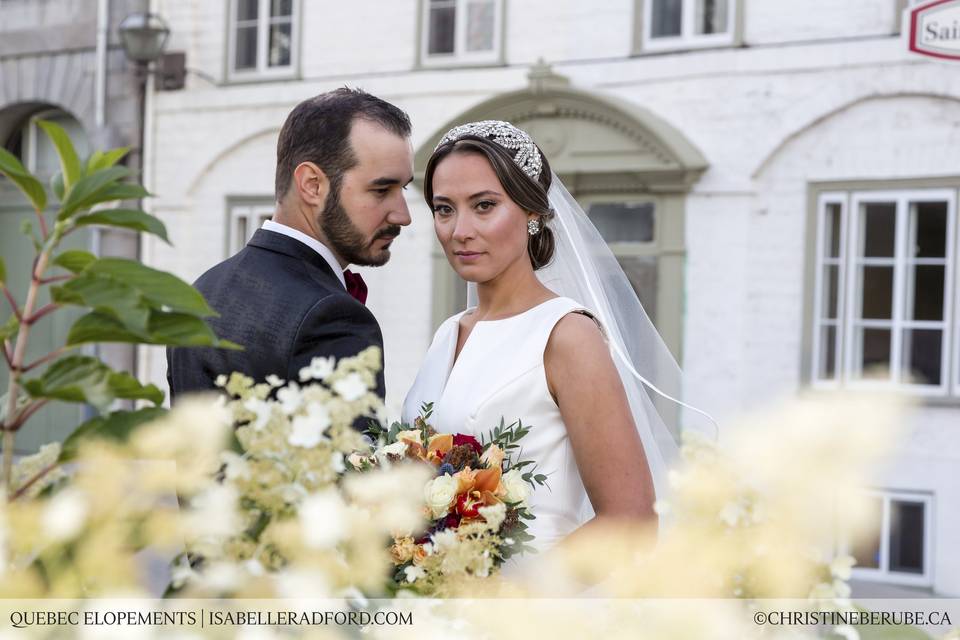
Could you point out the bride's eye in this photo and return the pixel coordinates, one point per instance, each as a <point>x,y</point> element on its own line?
<point>441,210</point>
<point>486,205</point>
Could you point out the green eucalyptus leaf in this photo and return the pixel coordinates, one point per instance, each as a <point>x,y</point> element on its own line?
<point>105,159</point>
<point>69,163</point>
<point>89,189</point>
<point>86,379</point>
<point>11,167</point>
<point>74,260</point>
<point>116,426</point>
<point>126,218</point>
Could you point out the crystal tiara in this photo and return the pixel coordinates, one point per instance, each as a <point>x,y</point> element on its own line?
<point>527,156</point>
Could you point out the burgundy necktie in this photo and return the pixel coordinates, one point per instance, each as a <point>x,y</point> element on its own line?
<point>356,287</point>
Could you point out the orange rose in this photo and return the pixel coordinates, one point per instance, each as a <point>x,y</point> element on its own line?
<point>467,478</point>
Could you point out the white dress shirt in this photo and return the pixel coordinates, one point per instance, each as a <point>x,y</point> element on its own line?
<point>313,243</point>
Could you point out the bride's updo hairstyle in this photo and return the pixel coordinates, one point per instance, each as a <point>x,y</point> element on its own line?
<point>515,168</point>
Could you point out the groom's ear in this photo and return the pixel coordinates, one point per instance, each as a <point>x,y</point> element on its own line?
<point>311,184</point>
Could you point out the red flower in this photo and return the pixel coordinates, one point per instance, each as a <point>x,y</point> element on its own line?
<point>452,521</point>
<point>460,438</point>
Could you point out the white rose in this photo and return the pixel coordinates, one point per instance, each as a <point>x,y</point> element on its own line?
<point>439,494</point>
<point>350,388</point>
<point>517,488</point>
<point>395,449</point>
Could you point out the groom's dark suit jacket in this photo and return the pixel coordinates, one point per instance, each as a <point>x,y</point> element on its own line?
<point>282,301</point>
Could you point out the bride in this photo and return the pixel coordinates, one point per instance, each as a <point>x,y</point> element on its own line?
<point>555,339</point>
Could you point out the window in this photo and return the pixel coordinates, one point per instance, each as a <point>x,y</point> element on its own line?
<point>262,38</point>
<point>461,31</point>
<point>679,24</point>
<point>883,291</point>
<point>244,220</point>
<point>628,228</point>
<point>898,547</point>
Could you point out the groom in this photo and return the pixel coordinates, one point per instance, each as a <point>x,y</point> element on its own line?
<point>343,159</point>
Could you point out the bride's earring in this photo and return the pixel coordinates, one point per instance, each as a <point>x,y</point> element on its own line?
<point>533,226</point>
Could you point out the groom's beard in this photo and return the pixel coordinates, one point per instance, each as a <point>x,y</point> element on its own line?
<point>347,241</point>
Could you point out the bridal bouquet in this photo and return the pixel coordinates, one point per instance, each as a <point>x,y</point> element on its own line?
<point>475,504</point>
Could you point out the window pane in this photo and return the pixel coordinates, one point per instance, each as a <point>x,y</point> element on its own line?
<point>623,222</point>
<point>711,16</point>
<point>831,238</point>
<point>666,18</point>
<point>828,353</point>
<point>879,229</point>
<point>867,550</point>
<point>247,9</point>
<point>280,45</point>
<point>480,19</point>
<point>642,273</point>
<point>929,221</point>
<point>906,536</point>
<point>876,292</point>
<point>281,8</point>
<point>922,355</point>
<point>925,293</point>
<point>874,350</point>
<point>246,54</point>
<point>441,32</point>
<point>831,282</point>
<point>241,236</point>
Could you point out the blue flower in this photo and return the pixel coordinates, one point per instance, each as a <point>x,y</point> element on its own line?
<point>446,469</point>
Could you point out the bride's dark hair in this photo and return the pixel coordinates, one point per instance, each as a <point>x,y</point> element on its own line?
<point>529,194</point>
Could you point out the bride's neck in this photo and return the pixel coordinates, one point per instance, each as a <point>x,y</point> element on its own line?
<point>510,294</point>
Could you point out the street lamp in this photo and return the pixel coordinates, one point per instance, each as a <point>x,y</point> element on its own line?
<point>143,36</point>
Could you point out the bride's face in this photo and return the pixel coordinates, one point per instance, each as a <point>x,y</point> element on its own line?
<point>483,232</point>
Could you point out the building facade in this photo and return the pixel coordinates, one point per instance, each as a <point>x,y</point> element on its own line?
<point>779,180</point>
<point>61,60</point>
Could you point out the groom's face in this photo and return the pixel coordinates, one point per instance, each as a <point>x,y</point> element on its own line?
<point>364,214</point>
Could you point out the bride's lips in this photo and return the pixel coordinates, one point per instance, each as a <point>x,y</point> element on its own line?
<point>467,256</point>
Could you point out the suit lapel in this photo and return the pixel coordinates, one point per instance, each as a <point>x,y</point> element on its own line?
<point>279,243</point>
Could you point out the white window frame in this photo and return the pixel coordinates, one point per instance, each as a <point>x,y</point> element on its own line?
<point>898,323</point>
<point>847,374</point>
<point>821,260</point>
<point>460,56</point>
<point>883,573</point>
<point>254,213</point>
<point>687,38</point>
<point>262,71</point>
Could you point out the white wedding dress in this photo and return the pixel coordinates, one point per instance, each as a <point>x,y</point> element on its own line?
<point>499,374</point>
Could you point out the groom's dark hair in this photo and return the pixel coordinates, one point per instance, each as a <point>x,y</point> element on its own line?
<point>318,131</point>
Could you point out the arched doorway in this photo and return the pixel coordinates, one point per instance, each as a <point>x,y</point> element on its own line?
<point>21,136</point>
<point>629,170</point>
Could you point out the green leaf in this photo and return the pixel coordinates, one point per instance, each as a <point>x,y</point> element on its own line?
<point>86,379</point>
<point>9,328</point>
<point>105,159</point>
<point>69,163</point>
<point>3,271</point>
<point>86,192</point>
<point>165,328</point>
<point>56,185</point>
<point>74,260</point>
<point>126,218</point>
<point>122,191</point>
<point>158,287</point>
<point>106,295</point>
<point>10,166</point>
<point>116,426</point>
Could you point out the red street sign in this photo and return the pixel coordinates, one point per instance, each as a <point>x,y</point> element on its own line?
<point>934,29</point>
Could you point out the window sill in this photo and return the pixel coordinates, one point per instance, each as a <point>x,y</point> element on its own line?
<point>648,48</point>
<point>260,78</point>
<point>441,64</point>
<point>925,400</point>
